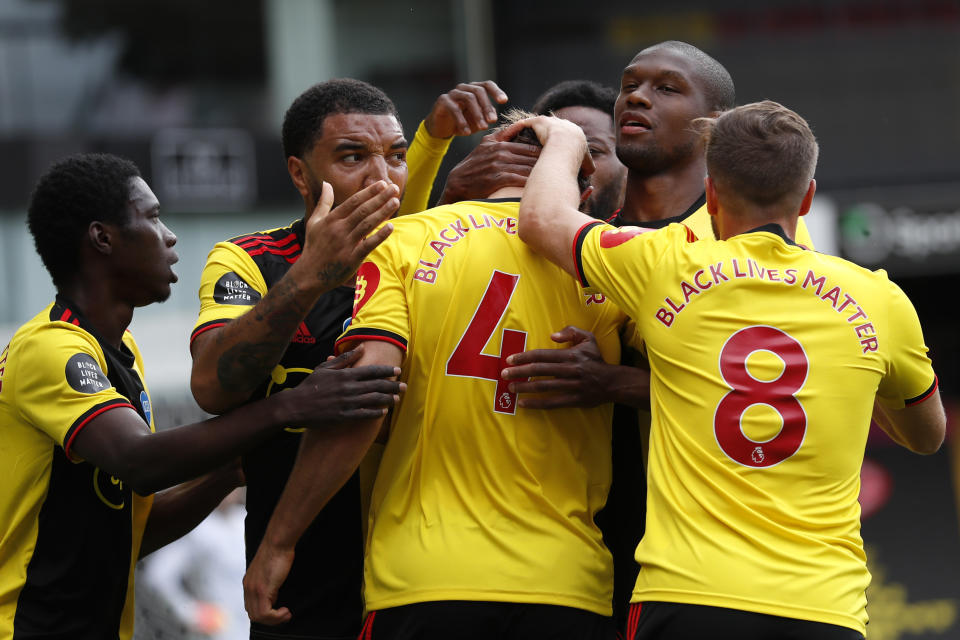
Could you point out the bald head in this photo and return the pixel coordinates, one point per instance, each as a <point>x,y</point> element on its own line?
<point>715,80</point>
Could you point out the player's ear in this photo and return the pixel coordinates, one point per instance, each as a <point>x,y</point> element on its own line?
<point>711,191</point>
<point>808,198</point>
<point>297,169</point>
<point>101,237</point>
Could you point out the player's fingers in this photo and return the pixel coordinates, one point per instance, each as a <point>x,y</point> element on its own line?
<point>343,360</point>
<point>381,202</point>
<point>510,179</point>
<point>371,371</point>
<point>540,369</point>
<point>539,355</point>
<point>372,241</point>
<point>493,90</point>
<point>272,616</point>
<point>365,414</point>
<point>486,111</point>
<point>324,202</point>
<point>452,107</point>
<point>364,393</point>
<point>364,202</point>
<point>468,100</point>
<point>572,334</point>
<point>373,400</point>
<point>508,132</point>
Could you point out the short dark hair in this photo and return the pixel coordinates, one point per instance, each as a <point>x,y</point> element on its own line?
<point>762,152</point>
<point>74,192</point>
<point>527,135</point>
<point>303,122</point>
<point>576,93</point>
<point>717,83</point>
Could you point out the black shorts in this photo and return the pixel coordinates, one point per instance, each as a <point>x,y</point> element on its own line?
<point>467,620</point>
<point>649,620</point>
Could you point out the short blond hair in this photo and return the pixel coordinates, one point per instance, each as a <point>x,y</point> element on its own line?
<point>762,152</point>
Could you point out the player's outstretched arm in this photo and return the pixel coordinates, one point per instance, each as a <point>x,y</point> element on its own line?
<point>229,362</point>
<point>120,443</point>
<point>574,376</point>
<point>549,218</point>
<point>920,428</point>
<point>467,109</point>
<point>326,460</point>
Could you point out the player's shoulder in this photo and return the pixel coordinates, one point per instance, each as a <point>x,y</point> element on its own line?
<point>53,327</point>
<point>281,242</point>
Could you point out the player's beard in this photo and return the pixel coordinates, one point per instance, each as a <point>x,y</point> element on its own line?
<point>652,159</point>
<point>602,203</point>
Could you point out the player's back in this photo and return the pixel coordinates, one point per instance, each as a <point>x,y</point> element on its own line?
<point>766,360</point>
<point>477,499</point>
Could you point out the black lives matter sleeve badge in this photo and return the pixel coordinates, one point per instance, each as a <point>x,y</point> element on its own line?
<point>232,289</point>
<point>84,374</point>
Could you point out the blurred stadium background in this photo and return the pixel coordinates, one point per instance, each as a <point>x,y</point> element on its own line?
<point>194,93</point>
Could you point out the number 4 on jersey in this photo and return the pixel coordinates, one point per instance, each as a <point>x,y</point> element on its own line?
<point>468,359</point>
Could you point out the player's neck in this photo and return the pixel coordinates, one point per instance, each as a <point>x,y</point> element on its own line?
<point>506,192</point>
<point>105,314</point>
<point>664,195</point>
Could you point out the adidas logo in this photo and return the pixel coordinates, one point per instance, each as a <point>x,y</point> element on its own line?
<point>302,336</point>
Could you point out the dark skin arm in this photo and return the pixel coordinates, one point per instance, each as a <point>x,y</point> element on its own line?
<point>324,463</point>
<point>119,442</point>
<point>229,362</point>
<point>575,376</point>
<point>177,510</point>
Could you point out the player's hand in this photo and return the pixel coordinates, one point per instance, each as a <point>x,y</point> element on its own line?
<point>575,376</point>
<point>334,394</point>
<point>554,131</point>
<point>465,110</point>
<point>261,584</point>
<point>337,240</point>
<point>490,166</point>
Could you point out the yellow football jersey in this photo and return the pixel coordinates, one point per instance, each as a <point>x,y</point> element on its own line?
<point>765,362</point>
<point>69,533</point>
<point>477,499</point>
<point>701,223</point>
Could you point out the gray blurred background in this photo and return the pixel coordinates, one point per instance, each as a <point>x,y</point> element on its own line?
<point>194,93</point>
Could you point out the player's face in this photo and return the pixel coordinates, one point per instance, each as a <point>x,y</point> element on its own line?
<point>609,178</point>
<point>143,250</point>
<point>660,94</point>
<point>356,150</point>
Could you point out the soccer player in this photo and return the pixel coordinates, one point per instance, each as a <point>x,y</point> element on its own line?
<point>766,359</point>
<point>264,324</point>
<point>79,458</point>
<point>590,106</point>
<point>482,517</point>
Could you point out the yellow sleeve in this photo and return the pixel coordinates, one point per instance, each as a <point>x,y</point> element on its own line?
<point>423,162</point>
<point>910,377</point>
<point>60,382</point>
<point>231,284</point>
<point>380,309</point>
<point>618,262</point>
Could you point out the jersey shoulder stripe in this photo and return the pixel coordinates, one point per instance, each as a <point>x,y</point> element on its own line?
<point>87,416</point>
<point>279,242</point>
<point>366,333</point>
<point>578,248</point>
<point>923,396</point>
